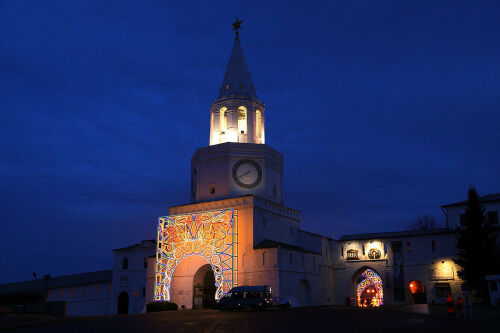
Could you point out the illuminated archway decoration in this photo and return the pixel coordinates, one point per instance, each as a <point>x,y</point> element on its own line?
<point>371,278</point>
<point>212,235</point>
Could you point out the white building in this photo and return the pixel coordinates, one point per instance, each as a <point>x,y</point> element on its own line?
<point>129,277</point>
<point>455,212</point>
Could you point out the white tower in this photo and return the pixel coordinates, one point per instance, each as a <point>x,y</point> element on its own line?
<point>237,162</point>
<point>237,115</point>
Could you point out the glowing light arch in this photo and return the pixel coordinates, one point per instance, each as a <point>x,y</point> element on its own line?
<point>212,235</point>
<point>371,278</point>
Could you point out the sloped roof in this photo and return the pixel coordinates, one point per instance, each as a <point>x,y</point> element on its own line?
<point>58,282</point>
<point>392,234</point>
<point>267,244</point>
<point>143,243</point>
<point>483,198</point>
<point>237,80</point>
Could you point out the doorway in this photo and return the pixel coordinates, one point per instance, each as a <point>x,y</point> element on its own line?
<point>204,288</point>
<point>123,303</point>
<point>417,291</point>
<point>304,293</point>
<point>369,288</point>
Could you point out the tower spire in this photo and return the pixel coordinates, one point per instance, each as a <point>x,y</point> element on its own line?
<point>236,27</point>
<point>237,80</point>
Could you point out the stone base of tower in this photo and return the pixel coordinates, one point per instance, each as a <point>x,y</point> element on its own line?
<point>271,250</point>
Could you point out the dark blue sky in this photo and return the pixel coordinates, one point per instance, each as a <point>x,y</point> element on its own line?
<point>383,110</point>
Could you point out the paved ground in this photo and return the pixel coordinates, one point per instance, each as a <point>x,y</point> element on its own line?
<point>319,319</point>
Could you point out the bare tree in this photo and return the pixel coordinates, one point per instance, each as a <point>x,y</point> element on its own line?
<point>424,222</point>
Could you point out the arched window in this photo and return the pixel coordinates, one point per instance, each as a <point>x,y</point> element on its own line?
<point>223,120</point>
<point>125,263</point>
<point>258,124</point>
<point>242,120</point>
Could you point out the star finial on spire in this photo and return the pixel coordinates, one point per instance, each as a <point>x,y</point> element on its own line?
<point>237,26</point>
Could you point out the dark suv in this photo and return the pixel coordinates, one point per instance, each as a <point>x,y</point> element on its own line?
<point>254,297</point>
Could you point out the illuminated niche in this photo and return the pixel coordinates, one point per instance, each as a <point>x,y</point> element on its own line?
<point>374,253</point>
<point>212,235</point>
<point>369,291</point>
<point>352,255</point>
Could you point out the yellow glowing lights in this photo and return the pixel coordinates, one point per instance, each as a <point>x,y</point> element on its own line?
<point>371,284</point>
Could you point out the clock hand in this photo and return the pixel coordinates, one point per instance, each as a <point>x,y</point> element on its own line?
<point>246,173</point>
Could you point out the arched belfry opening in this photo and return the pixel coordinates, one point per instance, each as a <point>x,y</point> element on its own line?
<point>242,120</point>
<point>204,288</point>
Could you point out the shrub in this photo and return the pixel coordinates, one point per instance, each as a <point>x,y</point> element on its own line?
<point>161,306</point>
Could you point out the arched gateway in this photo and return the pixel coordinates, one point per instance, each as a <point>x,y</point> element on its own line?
<point>204,287</point>
<point>209,235</point>
<point>369,288</point>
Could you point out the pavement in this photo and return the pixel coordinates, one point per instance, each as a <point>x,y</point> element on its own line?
<point>313,319</point>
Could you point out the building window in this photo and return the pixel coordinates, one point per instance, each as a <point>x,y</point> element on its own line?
<point>363,249</point>
<point>493,217</point>
<point>291,258</point>
<point>146,262</point>
<point>408,247</point>
<point>385,249</point>
<point>442,290</point>
<point>342,251</point>
<point>242,120</point>
<point>212,188</point>
<point>352,255</point>
<point>264,223</point>
<point>143,291</point>
<point>433,245</point>
<point>462,220</point>
<point>493,285</point>
<point>125,263</point>
<point>263,258</point>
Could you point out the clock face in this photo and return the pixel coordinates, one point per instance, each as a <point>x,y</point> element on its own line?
<point>247,173</point>
<point>193,182</point>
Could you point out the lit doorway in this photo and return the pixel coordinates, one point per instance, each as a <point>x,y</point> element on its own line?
<point>369,289</point>
<point>417,291</point>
